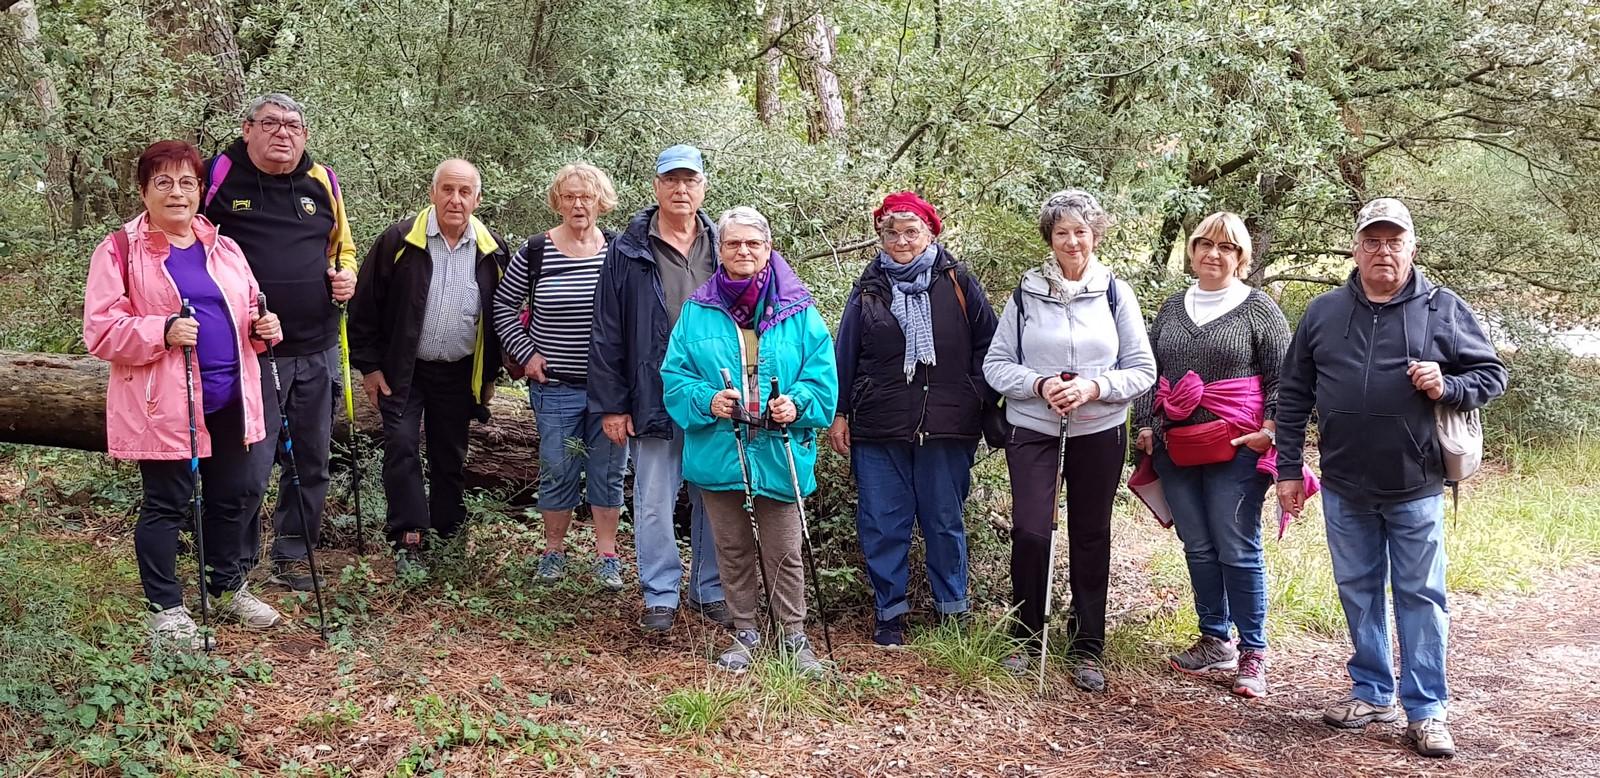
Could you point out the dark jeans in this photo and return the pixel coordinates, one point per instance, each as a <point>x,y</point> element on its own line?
<point>230,495</point>
<point>438,402</point>
<point>308,397</point>
<point>1093,469</point>
<point>904,485</point>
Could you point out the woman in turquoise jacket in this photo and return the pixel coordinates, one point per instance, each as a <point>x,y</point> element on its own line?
<point>757,321</point>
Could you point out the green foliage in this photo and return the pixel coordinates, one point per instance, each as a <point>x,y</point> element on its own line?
<point>697,711</point>
<point>971,654</point>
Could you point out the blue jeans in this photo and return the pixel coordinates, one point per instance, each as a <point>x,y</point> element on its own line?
<point>572,445</point>
<point>657,474</point>
<point>1404,543</point>
<point>1217,512</point>
<point>901,485</point>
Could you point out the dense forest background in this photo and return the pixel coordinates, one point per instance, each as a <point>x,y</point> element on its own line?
<point>1484,116</point>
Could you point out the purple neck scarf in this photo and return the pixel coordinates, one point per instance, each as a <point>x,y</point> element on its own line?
<point>742,298</point>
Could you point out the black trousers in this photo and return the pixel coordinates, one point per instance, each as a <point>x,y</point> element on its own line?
<point>230,493</point>
<point>437,404</point>
<point>1093,469</point>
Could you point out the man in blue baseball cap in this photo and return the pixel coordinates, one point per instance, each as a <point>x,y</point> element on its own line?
<point>668,251</point>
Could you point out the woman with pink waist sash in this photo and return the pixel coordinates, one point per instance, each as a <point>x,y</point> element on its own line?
<point>1207,427</point>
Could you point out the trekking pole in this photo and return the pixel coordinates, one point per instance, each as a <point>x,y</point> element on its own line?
<point>750,499</point>
<point>1055,524</point>
<point>805,530</point>
<point>350,413</point>
<point>196,501</point>
<point>294,478</point>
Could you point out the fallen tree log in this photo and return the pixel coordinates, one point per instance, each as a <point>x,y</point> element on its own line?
<point>59,400</point>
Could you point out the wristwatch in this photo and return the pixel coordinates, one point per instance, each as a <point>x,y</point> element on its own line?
<point>1272,435</point>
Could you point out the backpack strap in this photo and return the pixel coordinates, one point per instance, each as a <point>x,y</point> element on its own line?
<point>533,251</point>
<point>120,252</point>
<point>220,165</point>
<point>1016,302</point>
<point>961,294</point>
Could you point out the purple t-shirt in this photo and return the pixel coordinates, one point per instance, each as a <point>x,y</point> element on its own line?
<point>217,348</point>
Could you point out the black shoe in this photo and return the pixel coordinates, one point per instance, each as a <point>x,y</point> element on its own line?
<point>408,556</point>
<point>960,619</point>
<point>891,633</point>
<point>658,618</point>
<point>295,574</point>
<point>716,612</point>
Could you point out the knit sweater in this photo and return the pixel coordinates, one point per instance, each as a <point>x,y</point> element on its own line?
<point>1249,340</point>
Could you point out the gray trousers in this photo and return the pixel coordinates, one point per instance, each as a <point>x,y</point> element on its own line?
<point>308,394</point>
<point>779,523</point>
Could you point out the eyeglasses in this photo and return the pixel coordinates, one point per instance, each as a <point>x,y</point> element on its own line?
<point>1203,245</point>
<point>573,199</point>
<point>1373,245</point>
<point>892,237</point>
<point>186,184</point>
<point>685,182</point>
<point>273,124</point>
<point>735,245</point>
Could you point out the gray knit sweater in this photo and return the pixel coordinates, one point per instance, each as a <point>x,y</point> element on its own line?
<point>1247,341</point>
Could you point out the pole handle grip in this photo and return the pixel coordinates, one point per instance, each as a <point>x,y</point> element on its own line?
<point>727,379</point>
<point>186,311</point>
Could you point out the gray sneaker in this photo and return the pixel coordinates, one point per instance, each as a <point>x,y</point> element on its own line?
<point>1018,664</point>
<point>1088,677</point>
<point>608,572</point>
<point>552,566</point>
<point>805,660</point>
<point>1251,679</point>
<point>1207,654</point>
<point>174,629</point>
<point>1431,737</point>
<point>249,611</point>
<point>738,657</point>
<point>1353,713</point>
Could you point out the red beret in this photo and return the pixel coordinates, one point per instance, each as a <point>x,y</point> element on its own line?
<point>909,202</point>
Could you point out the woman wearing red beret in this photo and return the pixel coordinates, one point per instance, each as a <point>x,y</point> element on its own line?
<point>910,351</point>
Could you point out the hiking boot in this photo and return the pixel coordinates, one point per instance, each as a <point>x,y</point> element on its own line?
<point>608,572</point>
<point>1207,654</point>
<point>798,647</point>
<point>715,612</point>
<point>1017,664</point>
<point>174,629</point>
<point>295,574</point>
<point>1353,713</point>
<point>552,567</point>
<point>408,558</point>
<point>1088,677</point>
<point>1431,737</point>
<point>961,620</point>
<point>890,633</point>
<point>1251,680</point>
<point>250,612</point>
<point>658,618</point>
<point>738,657</point>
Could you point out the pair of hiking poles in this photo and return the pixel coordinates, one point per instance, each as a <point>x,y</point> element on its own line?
<point>743,424</point>
<point>197,501</point>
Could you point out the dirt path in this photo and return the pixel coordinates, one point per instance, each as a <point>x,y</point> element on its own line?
<point>1524,670</point>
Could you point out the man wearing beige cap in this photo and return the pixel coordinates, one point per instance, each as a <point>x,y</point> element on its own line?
<point>1375,358</point>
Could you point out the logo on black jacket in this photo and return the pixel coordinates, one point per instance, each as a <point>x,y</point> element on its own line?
<point>309,206</point>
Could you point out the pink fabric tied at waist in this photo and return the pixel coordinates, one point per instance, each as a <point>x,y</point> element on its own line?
<point>1240,403</point>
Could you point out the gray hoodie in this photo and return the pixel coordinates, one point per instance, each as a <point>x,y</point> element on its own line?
<point>1080,335</point>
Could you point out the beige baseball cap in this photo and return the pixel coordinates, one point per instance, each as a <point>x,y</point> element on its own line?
<point>1384,209</point>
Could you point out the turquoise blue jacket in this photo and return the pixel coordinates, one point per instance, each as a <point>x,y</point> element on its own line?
<point>797,349</point>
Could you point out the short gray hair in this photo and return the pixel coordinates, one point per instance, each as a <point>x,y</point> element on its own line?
<point>746,216</point>
<point>438,171</point>
<point>279,99</point>
<point>887,220</point>
<point>1079,205</point>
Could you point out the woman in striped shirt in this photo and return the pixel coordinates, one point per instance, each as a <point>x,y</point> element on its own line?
<point>553,275</point>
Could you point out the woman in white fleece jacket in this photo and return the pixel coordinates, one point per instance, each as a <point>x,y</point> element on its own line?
<point>1070,354</point>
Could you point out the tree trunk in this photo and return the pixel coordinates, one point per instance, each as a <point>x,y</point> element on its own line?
<point>57,162</point>
<point>1263,226</point>
<point>769,72</point>
<point>205,27</point>
<point>59,400</point>
<point>827,114</point>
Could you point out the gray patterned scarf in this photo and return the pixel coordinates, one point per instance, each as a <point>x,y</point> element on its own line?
<point>909,303</point>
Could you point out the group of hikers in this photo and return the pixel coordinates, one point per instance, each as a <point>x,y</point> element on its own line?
<point>691,348</point>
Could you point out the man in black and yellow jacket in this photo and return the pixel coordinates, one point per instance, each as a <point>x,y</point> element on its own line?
<point>287,213</point>
<point>419,335</point>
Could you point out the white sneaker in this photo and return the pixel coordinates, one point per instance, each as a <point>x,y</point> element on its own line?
<point>250,611</point>
<point>174,629</point>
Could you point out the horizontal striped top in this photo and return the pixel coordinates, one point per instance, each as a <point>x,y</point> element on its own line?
<point>563,313</point>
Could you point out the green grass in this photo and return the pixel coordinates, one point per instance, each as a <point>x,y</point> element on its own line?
<point>783,694</point>
<point>698,711</point>
<point>972,655</point>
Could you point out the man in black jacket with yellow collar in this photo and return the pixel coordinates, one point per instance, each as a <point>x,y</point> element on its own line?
<point>419,336</point>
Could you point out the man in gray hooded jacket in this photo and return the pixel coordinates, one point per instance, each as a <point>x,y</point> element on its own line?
<point>1375,357</point>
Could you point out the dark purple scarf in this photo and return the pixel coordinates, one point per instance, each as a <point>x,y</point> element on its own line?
<point>741,299</point>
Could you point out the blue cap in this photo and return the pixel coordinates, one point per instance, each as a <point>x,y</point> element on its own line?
<point>680,157</point>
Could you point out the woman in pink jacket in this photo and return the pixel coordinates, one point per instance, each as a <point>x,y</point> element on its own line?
<point>138,279</point>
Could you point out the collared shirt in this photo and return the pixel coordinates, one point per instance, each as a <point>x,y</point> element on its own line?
<point>450,323</point>
<point>682,275</point>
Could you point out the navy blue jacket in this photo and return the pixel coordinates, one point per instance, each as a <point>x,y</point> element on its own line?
<point>1348,359</point>
<point>630,331</point>
<point>944,400</point>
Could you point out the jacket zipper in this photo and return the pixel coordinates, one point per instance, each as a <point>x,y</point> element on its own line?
<point>921,434</point>
<point>1366,373</point>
